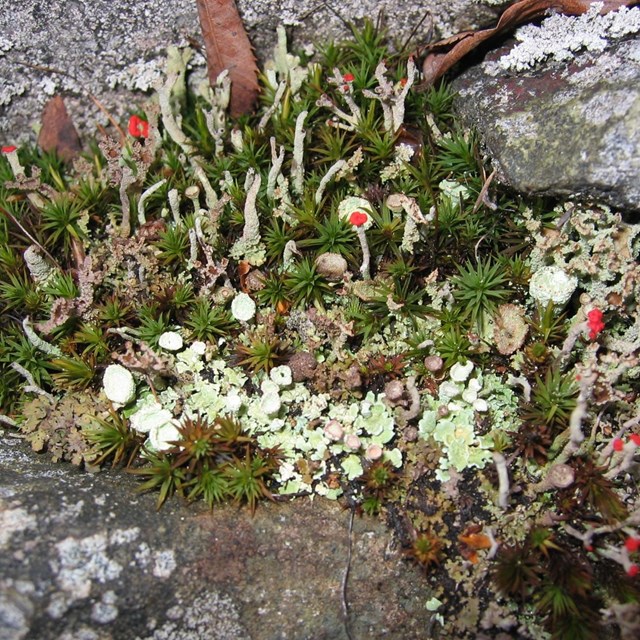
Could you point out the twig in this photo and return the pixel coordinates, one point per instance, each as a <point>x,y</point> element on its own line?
<point>345,578</point>
<point>15,221</point>
<point>482,196</point>
<point>413,32</point>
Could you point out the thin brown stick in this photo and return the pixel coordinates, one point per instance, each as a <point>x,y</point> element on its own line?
<point>482,196</point>
<point>18,224</point>
<point>345,578</point>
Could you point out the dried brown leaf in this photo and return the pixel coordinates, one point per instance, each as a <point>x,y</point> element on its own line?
<point>228,47</point>
<point>58,133</point>
<point>444,54</point>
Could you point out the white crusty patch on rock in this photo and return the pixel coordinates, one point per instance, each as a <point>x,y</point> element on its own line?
<point>164,563</point>
<point>13,521</point>
<point>80,561</point>
<point>560,37</point>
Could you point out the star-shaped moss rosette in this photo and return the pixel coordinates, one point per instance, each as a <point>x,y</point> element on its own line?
<point>357,211</point>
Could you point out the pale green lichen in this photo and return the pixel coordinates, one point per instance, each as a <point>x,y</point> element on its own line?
<point>595,247</point>
<point>552,284</point>
<point>243,308</point>
<point>156,422</point>
<point>285,67</point>
<point>451,419</point>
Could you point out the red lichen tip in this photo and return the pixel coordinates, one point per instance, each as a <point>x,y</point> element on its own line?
<point>9,148</point>
<point>632,544</point>
<point>348,77</point>
<point>358,218</point>
<point>138,127</point>
<point>635,438</point>
<point>594,322</point>
<point>633,570</point>
<point>617,444</point>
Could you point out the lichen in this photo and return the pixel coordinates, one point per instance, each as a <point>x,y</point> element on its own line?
<point>560,37</point>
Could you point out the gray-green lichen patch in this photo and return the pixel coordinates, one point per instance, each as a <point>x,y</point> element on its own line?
<point>567,128</point>
<point>110,48</point>
<point>13,521</point>
<point>560,37</point>
<point>198,616</point>
<point>118,569</point>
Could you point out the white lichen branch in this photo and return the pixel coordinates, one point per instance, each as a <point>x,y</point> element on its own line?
<point>297,165</point>
<point>333,169</point>
<point>392,98</point>
<point>168,119</point>
<point>251,230</point>
<point>607,452</point>
<point>503,479</point>
<point>625,461</point>
<point>143,198</point>
<point>38,342</point>
<point>32,386</point>
<point>277,159</point>
<point>579,413</point>
<point>366,254</point>
<point>174,205</point>
<point>282,86</point>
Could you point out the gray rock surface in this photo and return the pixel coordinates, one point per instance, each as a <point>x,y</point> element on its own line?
<point>83,557</point>
<point>109,48</point>
<point>566,128</point>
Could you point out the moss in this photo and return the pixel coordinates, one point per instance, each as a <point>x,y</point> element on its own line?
<point>232,416</point>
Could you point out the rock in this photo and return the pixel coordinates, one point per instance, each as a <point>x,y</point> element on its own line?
<point>84,557</point>
<point>568,128</point>
<point>331,265</point>
<point>111,48</point>
<point>303,365</point>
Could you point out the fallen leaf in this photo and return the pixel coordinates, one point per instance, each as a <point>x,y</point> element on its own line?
<point>228,47</point>
<point>444,54</point>
<point>476,540</point>
<point>243,270</point>
<point>58,133</point>
<point>471,543</point>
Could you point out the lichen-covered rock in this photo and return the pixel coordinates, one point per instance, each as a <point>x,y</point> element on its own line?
<point>109,48</point>
<point>564,128</point>
<point>302,365</point>
<point>82,556</point>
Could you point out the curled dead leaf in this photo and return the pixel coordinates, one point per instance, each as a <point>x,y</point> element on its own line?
<point>58,132</point>
<point>228,47</point>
